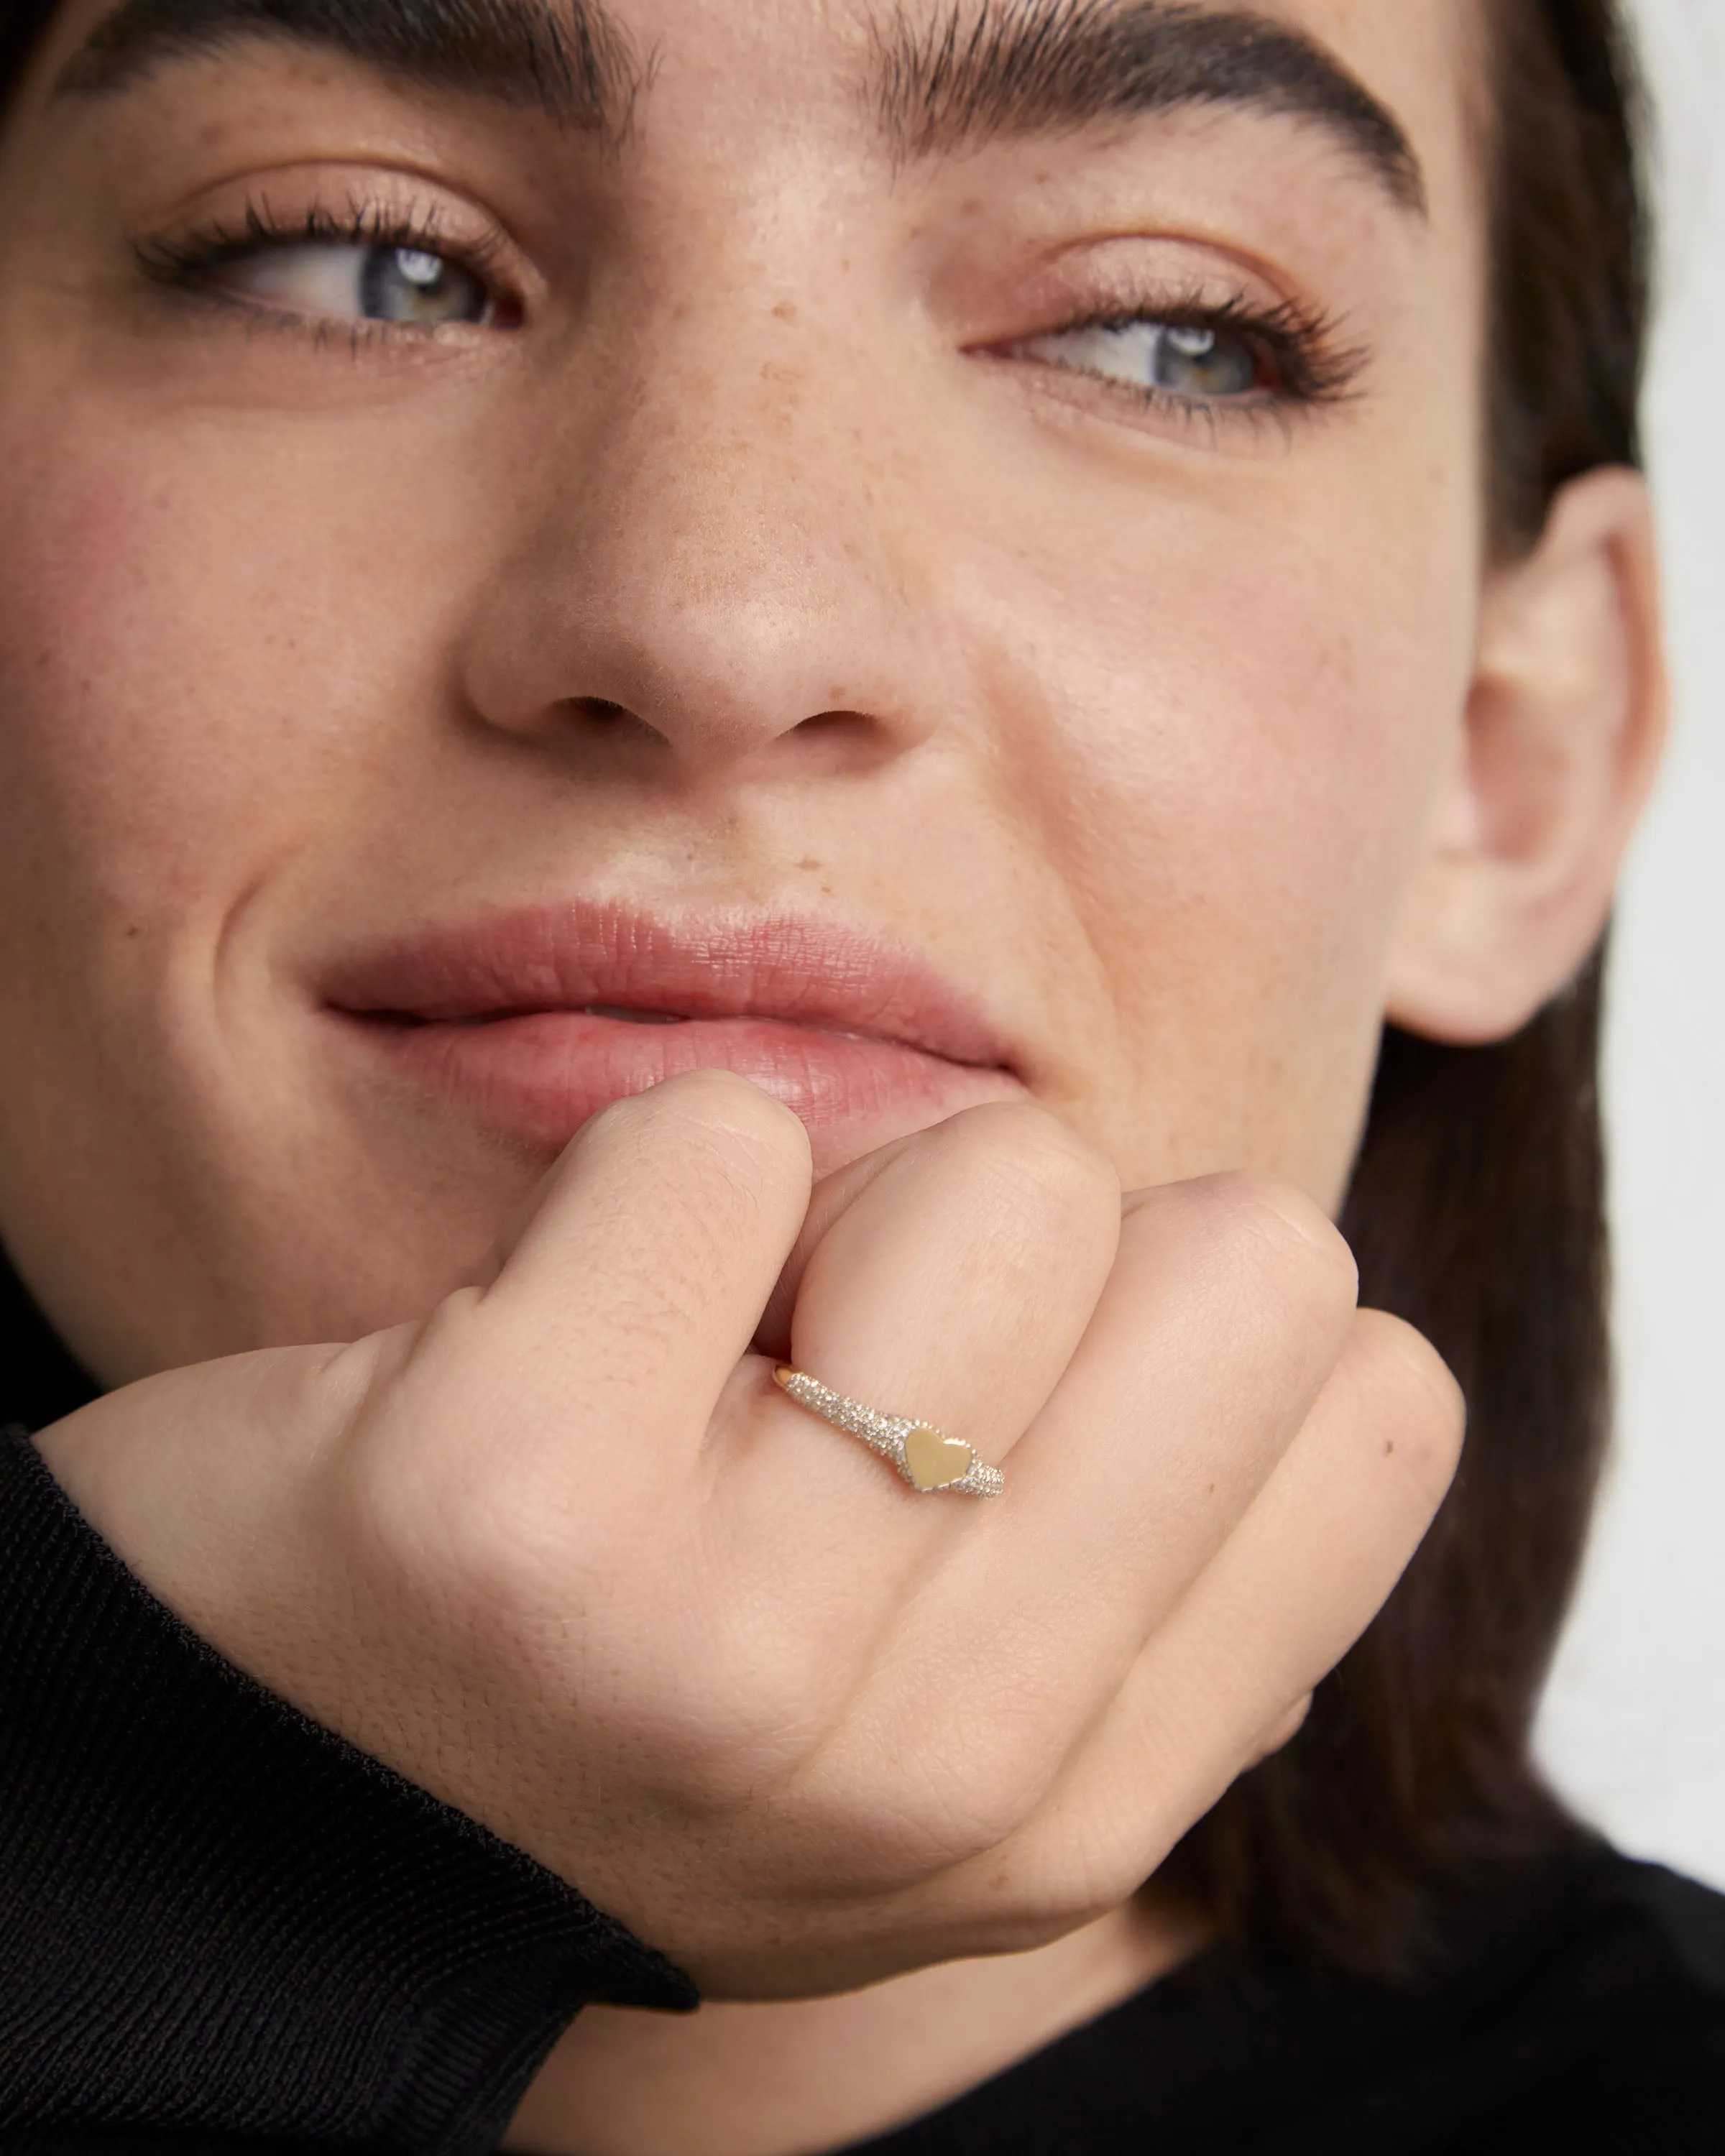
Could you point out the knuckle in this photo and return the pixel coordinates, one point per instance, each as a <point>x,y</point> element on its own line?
<point>939,1829</point>
<point>708,1756</point>
<point>1082,1875</point>
<point>467,1547</point>
<point>1031,1163</point>
<point>1282,1731</point>
<point>719,1715</point>
<point>443,1488</point>
<point>1277,1229</point>
<point>750,1714</point>
<point>1419,1401</point>
<point>955,1789</point>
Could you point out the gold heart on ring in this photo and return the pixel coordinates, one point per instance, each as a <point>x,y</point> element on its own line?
<point>935,1462</point>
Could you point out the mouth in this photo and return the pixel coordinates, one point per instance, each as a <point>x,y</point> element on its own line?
<point>535,1019</point>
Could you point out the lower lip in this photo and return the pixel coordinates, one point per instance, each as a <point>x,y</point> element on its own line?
<point>540,1075</point>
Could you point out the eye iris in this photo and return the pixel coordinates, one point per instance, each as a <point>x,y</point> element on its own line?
<point>1200,362</point>
<point>412,284</point>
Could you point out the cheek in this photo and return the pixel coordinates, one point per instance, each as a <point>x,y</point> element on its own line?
<point>1233,754</point>
<point>211,647</point>
<point>212,667</point>
<point>153,628</point>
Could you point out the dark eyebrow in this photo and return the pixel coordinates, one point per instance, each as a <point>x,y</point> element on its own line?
<point>573,63</point>
<point>1027,67</point>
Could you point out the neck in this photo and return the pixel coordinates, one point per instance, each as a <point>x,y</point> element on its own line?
<point>782,2079</point>
<point>39,1382</point>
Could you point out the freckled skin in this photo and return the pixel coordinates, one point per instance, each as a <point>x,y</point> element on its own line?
<point>756,568</point>
<point>1139,727</point>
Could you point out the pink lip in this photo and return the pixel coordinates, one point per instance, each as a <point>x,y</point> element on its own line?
<point>538,1019</point>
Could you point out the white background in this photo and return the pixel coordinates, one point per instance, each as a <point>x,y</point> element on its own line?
<point>1634,1723</point>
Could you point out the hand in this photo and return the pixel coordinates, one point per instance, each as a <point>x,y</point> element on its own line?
<point>563,1554</point>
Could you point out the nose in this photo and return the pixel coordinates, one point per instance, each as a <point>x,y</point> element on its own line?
<point>711,563</point>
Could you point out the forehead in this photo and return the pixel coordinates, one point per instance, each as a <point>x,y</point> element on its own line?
<point>1346,127</point>
<point>1374,74</point>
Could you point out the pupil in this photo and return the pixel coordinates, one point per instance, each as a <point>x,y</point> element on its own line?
<point>412,284</point>
<point>1200,362</point>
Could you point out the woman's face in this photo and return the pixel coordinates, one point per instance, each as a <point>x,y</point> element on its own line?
<point>839,531</point>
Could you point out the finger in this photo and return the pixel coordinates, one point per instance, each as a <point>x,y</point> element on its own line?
<point>832,1196</point>
<point>955,1285</point>
<point>1227,1308</point>
<point>1221,1318</point>
<point>639,1278</point>
<point>1227,1677</point>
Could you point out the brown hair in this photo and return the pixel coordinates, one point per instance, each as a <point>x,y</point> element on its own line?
<point>1477,1209</point>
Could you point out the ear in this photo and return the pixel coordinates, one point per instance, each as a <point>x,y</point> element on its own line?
<point>1560,739</point>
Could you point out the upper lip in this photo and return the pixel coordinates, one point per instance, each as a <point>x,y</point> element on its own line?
<point>793,969</point>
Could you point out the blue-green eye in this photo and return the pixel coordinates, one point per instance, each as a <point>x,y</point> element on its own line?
<point>411,285</point>
<point>357,281</point>
<point>1196,362</point>
<point>1201,365</point>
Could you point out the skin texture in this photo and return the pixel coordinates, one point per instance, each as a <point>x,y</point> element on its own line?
<point>761,565</point>
<point>289,638</point>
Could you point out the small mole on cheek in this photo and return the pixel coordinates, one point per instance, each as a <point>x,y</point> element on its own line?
<point>785,312</point>
<point>808,865</point>
<point>1389,1448</point>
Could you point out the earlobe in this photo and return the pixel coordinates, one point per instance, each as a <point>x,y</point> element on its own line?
<point>1554,756</point>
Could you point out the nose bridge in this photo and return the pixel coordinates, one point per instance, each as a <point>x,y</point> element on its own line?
<point>716,560</point>
<point>736,480</point>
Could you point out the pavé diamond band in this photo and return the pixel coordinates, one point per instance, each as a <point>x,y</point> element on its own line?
<point>928,1460</point>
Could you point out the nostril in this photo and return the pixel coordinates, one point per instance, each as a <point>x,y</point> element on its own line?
<point>839,740</point>
<point>612,721</point>
<point>833,722</point>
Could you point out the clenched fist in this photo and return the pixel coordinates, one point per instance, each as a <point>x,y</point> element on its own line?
<point>562,1553</point>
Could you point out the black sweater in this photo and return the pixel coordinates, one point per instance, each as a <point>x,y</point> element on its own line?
<point>222,1928</point>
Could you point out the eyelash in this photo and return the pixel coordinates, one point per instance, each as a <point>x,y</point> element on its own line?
<point>1309,366</point>
<point>1312,368</point>
<point>186,262</point>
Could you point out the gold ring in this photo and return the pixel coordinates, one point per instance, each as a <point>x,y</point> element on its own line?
<point>927,1459</point>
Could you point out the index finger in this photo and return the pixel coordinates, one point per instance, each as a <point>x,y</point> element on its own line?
<point>641,1277</point>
